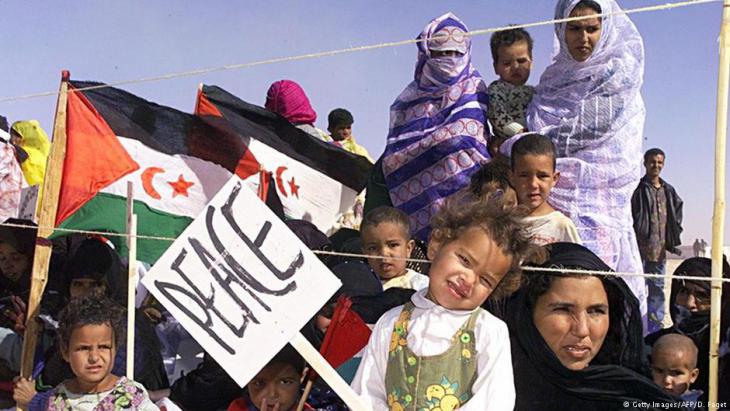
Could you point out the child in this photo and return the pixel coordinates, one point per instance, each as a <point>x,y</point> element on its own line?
<point>533,176</point>
<point>90,330</point>
<point>674,365</point>
<point>509,96</point>
<point>441,350</point>
<point>339,124</point>
<point>385,232</point>
<point>276,387</point>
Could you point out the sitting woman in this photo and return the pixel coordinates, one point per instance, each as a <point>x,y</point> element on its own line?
<point>588,102</point>
<point>690,311</point>
<point>576,339</point>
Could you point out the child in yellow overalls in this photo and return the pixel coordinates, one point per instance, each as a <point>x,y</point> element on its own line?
<point>441,350</point>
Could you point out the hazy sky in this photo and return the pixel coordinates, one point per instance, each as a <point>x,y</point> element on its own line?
<point>113,41</point>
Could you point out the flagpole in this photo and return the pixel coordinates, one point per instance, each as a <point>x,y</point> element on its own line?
<point>46,220</point>
<point>718,220</point>
<point>132,277</point>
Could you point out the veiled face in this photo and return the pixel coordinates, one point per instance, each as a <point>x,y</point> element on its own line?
<point>572,318</point>
<point>581,36</point>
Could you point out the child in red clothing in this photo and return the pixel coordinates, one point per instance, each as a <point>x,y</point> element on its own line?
<point>277,387</point>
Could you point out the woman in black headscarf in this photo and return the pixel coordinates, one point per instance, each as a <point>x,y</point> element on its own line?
<point>576,339</point>
<point>690,311</point>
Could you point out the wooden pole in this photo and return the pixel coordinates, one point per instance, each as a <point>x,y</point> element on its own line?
<point>305,394</point>
<point>325,370</point>
<point>46,222</point>
<point>718,219</point>
<point>132,277</point>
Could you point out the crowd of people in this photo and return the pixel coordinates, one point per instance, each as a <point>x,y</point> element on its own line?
<point>517,196</point>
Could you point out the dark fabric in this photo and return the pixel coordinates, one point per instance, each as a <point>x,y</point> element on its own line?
<point>641,206</point>
<point>358,280</point>
<point>543,383</point>
<point>371,308</point>
<point>377,193</point>
<point>309,234</point>
<point>205,388</point>
<point>696,325</point>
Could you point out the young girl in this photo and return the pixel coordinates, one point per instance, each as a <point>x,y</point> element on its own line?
<point>441,350</point>
<point>90,330</point>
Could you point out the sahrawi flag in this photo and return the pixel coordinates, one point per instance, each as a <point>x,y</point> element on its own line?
<point>315,180</point>
<point>176,161</point>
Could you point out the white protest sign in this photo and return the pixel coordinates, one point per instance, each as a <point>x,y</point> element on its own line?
<point>240,282</point>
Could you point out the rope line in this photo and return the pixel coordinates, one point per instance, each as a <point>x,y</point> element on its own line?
<point>354,49</point>
<point>407,259</point>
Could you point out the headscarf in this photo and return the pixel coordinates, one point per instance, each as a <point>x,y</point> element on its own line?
<point>614,375</point>
<point>696,325</point>
<point>594,113</point>
<point>287,98</point>
<point>96,260</point>
<point>35,144</point>
<point>437,135</point>
<point>698,267</point>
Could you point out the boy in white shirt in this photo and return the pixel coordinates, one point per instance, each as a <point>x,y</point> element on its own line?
<point>533,176</point>
<point>385,233</point>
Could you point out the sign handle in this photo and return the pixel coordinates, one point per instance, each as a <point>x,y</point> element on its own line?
<point>325,370</point>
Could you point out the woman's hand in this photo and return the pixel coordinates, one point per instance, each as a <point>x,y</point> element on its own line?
<point>17,314</point>
<point>23,391</point>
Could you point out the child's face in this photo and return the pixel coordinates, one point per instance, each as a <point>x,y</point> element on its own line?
<point>13,264</point>
<point>514,63</point>
<point>466,270</point>
<point>671,370</point>
<point>341,132</point>
<point>387,239</point>
<point>533,177</point>
<point>276,385</point>
<point>90,353</point>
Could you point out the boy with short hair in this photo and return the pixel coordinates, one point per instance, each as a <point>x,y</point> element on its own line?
<point>533,176</point>
<point>385,233</point>
<point>674,366</point>
<point>509,96</point>
<point>340,128</point>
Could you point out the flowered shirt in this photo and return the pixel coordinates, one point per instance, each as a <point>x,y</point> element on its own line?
<point>126,395</point>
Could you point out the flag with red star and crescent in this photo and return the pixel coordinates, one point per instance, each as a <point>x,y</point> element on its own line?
<point>315,180</point>
<point>175,160</point>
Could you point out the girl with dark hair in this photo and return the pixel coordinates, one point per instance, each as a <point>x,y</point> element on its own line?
<point>95,269</point>
<point>576,339</point>
<point>90,331</point>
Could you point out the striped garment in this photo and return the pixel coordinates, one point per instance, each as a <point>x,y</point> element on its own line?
<point>437,136</point>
